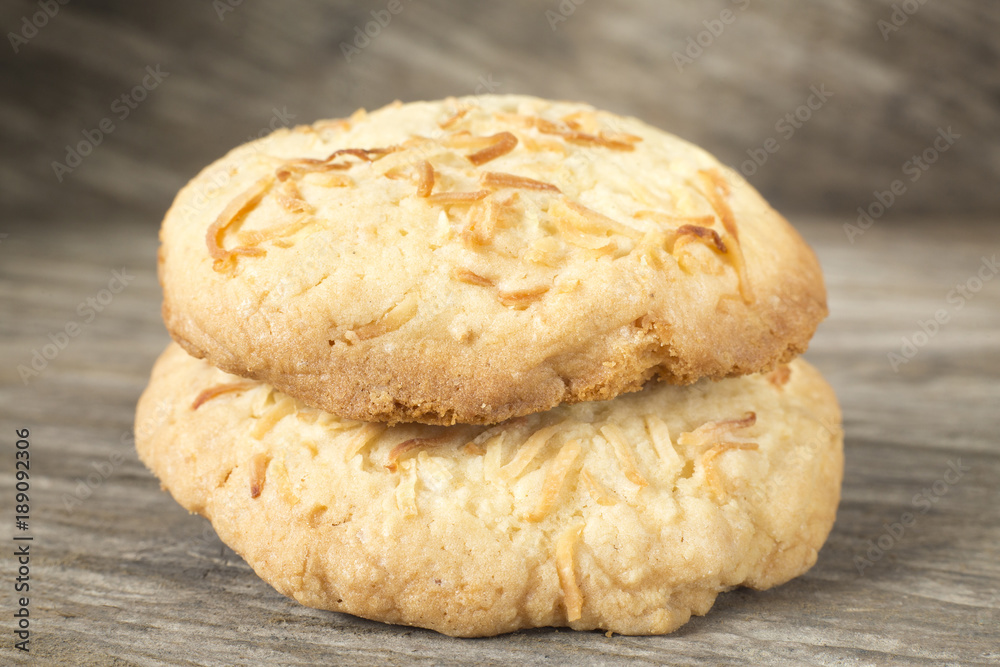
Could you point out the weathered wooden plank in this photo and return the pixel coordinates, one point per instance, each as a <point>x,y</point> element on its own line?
<point>122,572</point>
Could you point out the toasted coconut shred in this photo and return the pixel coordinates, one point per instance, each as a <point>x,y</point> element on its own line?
<point>466,139</point>
<point>527,452</point>
<point>714,431</point>
<point>713,439</point>
<point>497,179</point>
<point>557,472</point>
<point>363,437</point>
<point>659,433</point>
<point>454,118</point>
<point>503,143</point>
<point>591,222</point>
<point>715,189</point>
<point>218,390</point>
<point>708,462</point>
<point>780,375</point>
<point>614,435</point>
<point>258,472</point>
<point>270,419</point>
<point>617,141</point>
<point>364,154</point>
<point>447,198</point>
<point>670,218</point>
<point>402,448</point>
<point>520,299</point>
<point>597,490</point>
<point>466,276</point>
<point>482,221</point>
<point>572,595</point>
<point>426,183</point>
<point>393,319</point>
<point>290,198</point>
<point>406,489</point>
<point>234,211</point>
<point>710,237</point>
<point>454,435</point>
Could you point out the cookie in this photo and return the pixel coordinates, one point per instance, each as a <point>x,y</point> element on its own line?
<point>626,515</point>
<point>477,259</point>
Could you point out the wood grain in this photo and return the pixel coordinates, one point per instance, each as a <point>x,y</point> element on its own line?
<point>125,576</point>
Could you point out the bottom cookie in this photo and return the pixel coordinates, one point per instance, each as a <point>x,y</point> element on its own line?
<point>626,515</point>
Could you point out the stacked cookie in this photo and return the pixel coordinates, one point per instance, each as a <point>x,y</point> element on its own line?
<point>493,363</point>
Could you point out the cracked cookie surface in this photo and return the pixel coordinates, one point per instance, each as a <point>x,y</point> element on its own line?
<point>476,259</point>
<point>627,515</point>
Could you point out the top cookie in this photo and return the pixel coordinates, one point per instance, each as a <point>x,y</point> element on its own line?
<point>476,259</point>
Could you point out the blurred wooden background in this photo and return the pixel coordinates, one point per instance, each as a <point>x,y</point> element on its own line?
<point>233,63</point>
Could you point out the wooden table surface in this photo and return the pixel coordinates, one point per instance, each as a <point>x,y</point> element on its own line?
<point>121,575</point>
